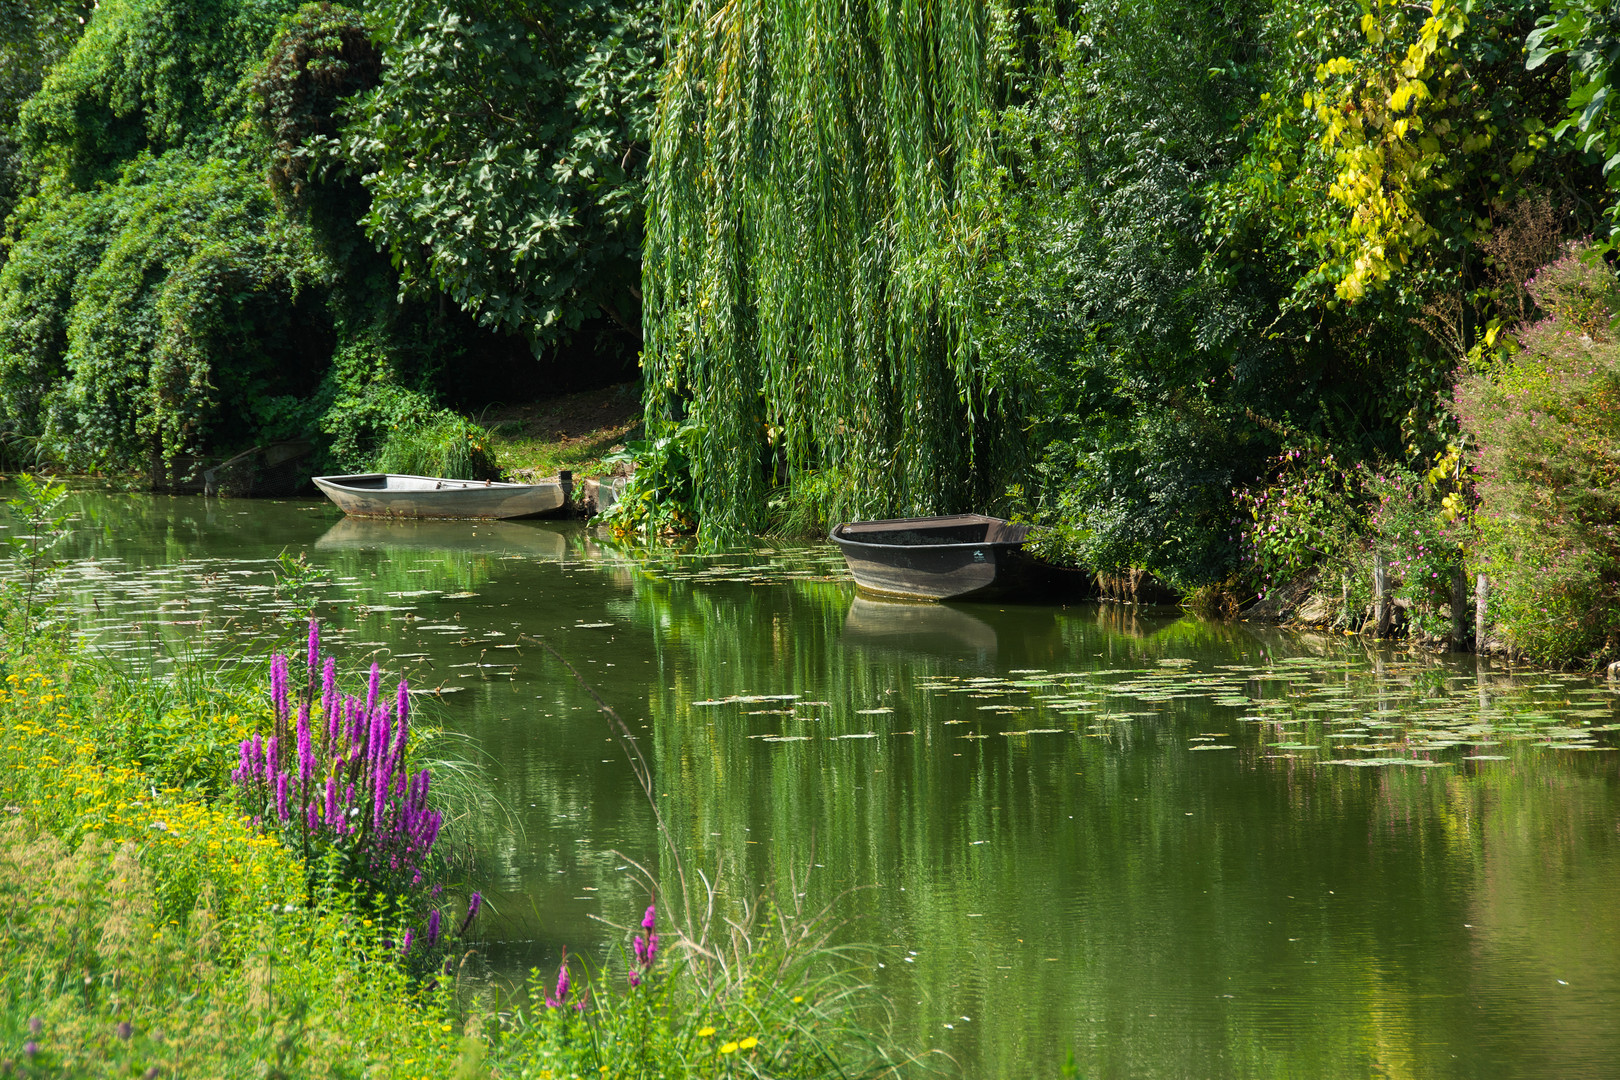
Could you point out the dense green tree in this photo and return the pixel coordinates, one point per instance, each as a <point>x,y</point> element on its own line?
<point>34,35</point>
<point>1134,366</point>
<point>1586,34</point>
<point>503,154</point>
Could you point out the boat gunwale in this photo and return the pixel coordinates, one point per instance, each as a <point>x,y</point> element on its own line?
<point>466,485</point>
<point>837,537</point>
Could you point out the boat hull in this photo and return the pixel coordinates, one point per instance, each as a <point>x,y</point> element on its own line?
<point>390,495</point>
<point>961,557</point>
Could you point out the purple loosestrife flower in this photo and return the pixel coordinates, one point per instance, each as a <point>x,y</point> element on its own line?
<point>333,817</point>
<point>329,705</point>
<point>635,979</point>
<point>562,985</point>
<point>433,927</point>
<point>650,918</point>
<point>278,685</point>
<point>472,912</point>
<point>314,649</point>
<point>371,690</point>
<point>410,939</point>
<point>306,752</point>
<point>281,796</point>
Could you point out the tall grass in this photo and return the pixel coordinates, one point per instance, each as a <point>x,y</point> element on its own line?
<point>449,446</point>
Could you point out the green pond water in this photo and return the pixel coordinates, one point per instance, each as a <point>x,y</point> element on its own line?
<point>1175,848</point>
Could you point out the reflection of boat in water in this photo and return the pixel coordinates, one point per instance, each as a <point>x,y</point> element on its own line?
<point>479,537</point>
<point>393,495</point>
<point>959,557</point>
<point>927,628</point>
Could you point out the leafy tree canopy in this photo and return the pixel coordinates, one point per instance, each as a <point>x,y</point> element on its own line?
<point>503,153</point>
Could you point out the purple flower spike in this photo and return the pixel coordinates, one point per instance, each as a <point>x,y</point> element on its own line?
<point>278,685</point>
<point>410,939</point>
<point>650,918</point>
<point>641,951</point>
<point>314,650</point>
<point>371,691</point>
<point>635,979</point>
<point>562,981</point>
<point>329,704</point>
<point>433,927</point>
<point>306,752</point>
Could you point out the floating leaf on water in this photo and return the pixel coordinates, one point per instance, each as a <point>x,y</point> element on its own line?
<point>1486,757</point>
<point>863,735</point>
<point>784,738</point>
<point>1212,746</point>
<point>872,712</point>
<point>592,625</point>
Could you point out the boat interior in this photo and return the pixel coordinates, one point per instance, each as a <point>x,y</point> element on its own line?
<point>917,532</point>
<point>397,482</point>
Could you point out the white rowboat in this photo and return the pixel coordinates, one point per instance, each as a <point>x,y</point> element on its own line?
<point>397,496</point>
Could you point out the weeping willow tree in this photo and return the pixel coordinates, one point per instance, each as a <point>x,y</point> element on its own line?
<point>807,232</point>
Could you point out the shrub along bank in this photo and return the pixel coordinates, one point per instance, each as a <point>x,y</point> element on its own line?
<point>1511,531</point>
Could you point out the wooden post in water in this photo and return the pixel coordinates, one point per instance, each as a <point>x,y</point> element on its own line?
<point>1459,610</point>
<point>1482,590</point>
<point>1380,597</point>
<point>155,464</point>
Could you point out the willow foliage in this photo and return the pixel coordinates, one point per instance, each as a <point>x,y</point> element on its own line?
<point>805,233</point>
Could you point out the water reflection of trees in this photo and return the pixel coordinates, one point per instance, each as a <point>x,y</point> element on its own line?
<point>1277,916</point>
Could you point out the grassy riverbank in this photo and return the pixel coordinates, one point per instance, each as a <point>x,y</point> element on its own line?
<point>154,929</point>
<point>572,431</point>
